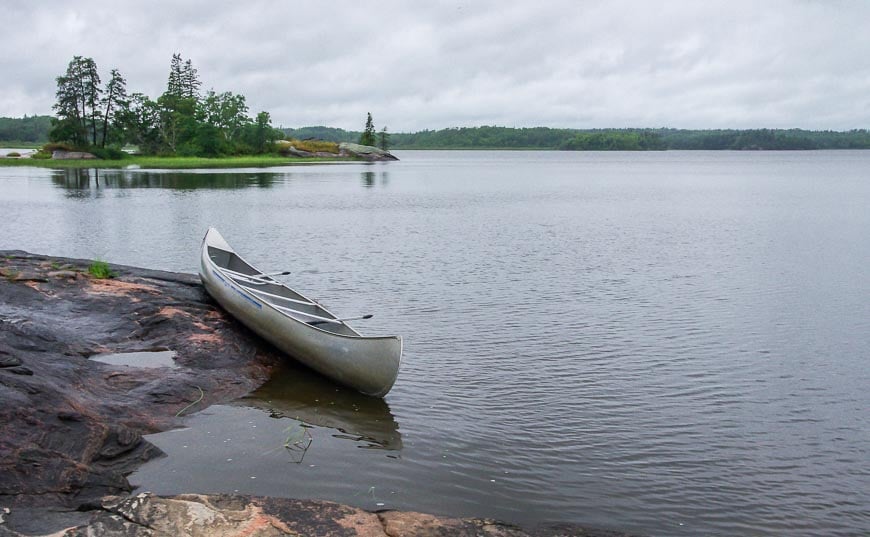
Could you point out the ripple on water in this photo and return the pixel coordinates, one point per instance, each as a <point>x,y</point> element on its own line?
<point>667,344</point>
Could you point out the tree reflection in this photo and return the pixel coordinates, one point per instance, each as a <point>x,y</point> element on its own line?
<point>78,180</point>
<point>368,179</point>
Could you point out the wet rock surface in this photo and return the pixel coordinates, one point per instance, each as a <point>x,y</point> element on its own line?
<point>221,515</point>
<point>71,427</point>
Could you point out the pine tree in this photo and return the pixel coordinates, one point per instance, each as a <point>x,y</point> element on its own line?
<point>190,83</point>
<point>69,125</point>
<point>78,96</point>
<point>368,135</point>
<point>384,141</point>
<point>183,80</point>
<point>115,97</point>
<point>178,104</point>
<point>174,85</point>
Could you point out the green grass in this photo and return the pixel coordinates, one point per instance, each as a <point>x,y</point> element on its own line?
<point>100,270</point>
<point>172,163</point>
<point>312,146</point>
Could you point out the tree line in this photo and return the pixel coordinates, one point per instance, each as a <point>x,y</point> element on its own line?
<point>29,129</point>
<point>606,139</point>
<point>182,121</point>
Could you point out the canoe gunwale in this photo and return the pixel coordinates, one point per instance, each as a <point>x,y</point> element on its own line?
<point>250,293</point>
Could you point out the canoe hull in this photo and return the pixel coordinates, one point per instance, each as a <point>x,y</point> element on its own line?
<point>367,364</point>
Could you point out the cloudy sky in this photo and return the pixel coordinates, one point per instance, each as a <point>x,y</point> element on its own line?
<point>417,65</point>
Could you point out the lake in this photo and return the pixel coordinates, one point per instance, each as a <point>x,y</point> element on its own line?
<point>667,343</point>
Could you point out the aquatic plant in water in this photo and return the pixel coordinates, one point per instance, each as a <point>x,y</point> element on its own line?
<point>298,440</point>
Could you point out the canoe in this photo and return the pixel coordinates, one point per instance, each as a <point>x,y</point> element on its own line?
<point>297,325</point>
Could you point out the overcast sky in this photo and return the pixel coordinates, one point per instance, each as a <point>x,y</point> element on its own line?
<point>428,64</point>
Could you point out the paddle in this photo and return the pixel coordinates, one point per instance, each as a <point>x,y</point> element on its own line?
<point>284,273</point>
<point>344,319</point>
<point>262,278</point>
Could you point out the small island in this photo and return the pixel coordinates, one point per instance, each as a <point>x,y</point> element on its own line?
<point>183,128</point>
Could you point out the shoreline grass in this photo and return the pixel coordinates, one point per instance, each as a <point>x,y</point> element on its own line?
<point>100,270</point>
<point>175,163</point>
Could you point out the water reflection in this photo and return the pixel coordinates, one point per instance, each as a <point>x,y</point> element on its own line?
<point>368,178</point>
<point>297,436</point>
<point>298,393</point>
<point>79,181</point>
<point>89,182</point>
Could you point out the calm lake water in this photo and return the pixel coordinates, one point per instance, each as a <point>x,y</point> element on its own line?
<point>665,343</point>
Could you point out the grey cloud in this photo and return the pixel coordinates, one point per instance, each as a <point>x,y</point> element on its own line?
<point>438,64</point>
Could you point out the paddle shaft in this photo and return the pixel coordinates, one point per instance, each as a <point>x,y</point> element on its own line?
<point>344,319</point>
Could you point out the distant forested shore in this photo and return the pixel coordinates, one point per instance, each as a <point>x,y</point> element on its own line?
<point>34,130</point>
<point>25,131</point>
<point>605,139</point>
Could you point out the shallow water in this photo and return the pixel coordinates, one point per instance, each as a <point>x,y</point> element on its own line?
<point>665,343</point>
<point>145,359</point>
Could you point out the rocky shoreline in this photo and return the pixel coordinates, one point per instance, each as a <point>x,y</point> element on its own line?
<point>71,427</point>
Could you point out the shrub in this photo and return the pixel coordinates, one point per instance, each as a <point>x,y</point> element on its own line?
<point>13,154</point>
<point>107,153</point>
<point>100,270</point>
<point>57,146</point>
<point>41,155</point>
<point>312,146</point>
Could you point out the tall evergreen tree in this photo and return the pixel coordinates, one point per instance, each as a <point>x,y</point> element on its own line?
<point>90,78</point>
<point>69,125</point>
<point>174,85</point>
<point>78,98</point>
<point>183,82</point>
<point>190,83</point>
<point>384,139</point>
<point>178,107</point>
<point>368,135</point>
<point>114,99</point>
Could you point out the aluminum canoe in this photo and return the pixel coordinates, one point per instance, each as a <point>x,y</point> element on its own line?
<point>297,325</point>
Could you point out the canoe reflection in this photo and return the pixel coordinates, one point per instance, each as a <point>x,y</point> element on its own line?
<point>298,393</point>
